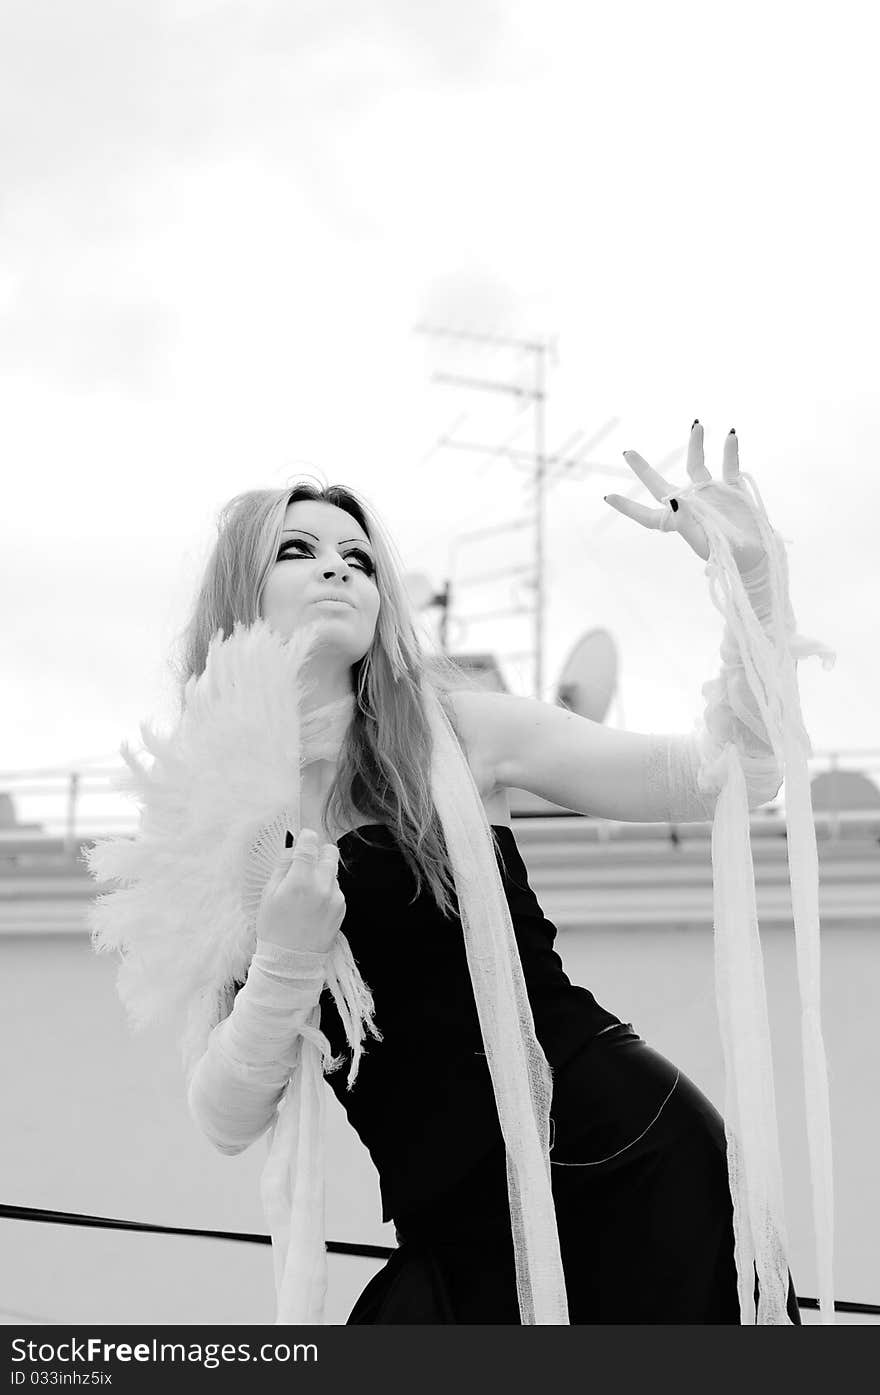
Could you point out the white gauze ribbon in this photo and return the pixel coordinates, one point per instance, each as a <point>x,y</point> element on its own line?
<point>750,1110</point>
<point>292,1183</point>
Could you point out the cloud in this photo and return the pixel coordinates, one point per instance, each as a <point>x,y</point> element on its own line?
<point>473,298</point>
<point>101,101</point>
<point>105,89</point>
<point>86,341</point>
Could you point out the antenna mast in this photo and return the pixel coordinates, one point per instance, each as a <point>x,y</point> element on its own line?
<point>569,457</point>
<point>538,348</point>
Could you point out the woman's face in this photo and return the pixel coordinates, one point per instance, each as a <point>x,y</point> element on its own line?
<point>324,553</point>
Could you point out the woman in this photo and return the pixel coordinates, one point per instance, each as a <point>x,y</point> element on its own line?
<point>637,1152</point>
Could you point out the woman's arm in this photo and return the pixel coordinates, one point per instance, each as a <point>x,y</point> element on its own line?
<point>592,769</point>
<point>235,1087</point>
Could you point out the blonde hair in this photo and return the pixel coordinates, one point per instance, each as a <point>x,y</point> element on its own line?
<point>384,762</point>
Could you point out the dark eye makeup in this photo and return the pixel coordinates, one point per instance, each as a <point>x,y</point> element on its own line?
<point>364,557</point>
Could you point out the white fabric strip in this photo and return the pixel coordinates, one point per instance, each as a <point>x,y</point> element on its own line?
<point>754,1165</point>
<point>236,1086</point>
<point>520,1073</point>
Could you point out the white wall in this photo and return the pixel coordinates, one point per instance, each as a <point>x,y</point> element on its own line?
<point>96,1122</point>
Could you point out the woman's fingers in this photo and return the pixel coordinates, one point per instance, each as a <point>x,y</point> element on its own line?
<point>655,483</point>
<point>696,466</point>
<point>303,905</point>
<point>651,478</point>
<point>730,461</point>
<point>685,523</point>
<point>307,857</point>
<point>649,518</point>
<point>326,866</point>
<point>305,849</point>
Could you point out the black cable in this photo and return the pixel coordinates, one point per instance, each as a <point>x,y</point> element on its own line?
<point>334,1247</point>
<point>33,1213</point>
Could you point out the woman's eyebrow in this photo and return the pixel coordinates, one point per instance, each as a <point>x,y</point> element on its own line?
<point>341,543</point>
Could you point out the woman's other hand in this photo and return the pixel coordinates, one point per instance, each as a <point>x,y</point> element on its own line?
<point>302,906</point>
<point>727,496</point>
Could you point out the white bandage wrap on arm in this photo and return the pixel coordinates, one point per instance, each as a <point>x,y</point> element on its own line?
<point>731,714</point>
<point>236,1085</point>
<point>753,736</point>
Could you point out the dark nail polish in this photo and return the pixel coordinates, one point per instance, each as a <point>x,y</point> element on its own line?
<point>288,839</point>
<point>674,505</point>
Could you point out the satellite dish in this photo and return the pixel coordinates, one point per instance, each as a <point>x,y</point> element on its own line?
<point>420,589</point>
<point>843,789</point>
<point>588,680</point>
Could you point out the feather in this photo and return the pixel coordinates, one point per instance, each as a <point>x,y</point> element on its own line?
<point>215,803</point>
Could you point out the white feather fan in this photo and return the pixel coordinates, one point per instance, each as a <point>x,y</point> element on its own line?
<point>216,802</point>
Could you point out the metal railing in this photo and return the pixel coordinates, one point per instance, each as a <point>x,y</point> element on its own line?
<point>77,804</point>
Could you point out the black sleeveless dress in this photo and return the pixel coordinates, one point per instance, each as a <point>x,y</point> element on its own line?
<point>638,1153</point>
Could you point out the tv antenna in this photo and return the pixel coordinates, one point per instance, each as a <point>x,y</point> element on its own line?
<point>545,467</point>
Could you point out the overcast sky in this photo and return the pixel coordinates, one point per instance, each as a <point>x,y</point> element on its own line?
<point>222,221</point>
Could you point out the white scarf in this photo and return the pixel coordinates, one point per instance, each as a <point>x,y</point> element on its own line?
<point>754,1165</point>
<point>216,802</point>
<point>292,1184</point>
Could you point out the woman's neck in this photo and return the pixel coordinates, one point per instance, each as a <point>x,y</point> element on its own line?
<point>323,729</point>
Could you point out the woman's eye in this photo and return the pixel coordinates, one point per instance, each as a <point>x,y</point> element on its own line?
<point>364,559</point>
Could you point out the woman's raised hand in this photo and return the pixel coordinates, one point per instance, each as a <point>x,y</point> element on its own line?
<point>727,495</point>
<point>302,906</point>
